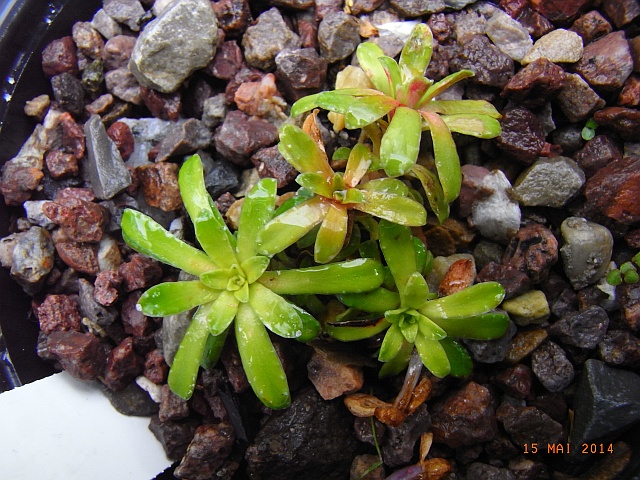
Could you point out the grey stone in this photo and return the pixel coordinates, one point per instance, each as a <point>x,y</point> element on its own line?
<point>338,36</point>
<point>128,12</point>
<point>416,8</point>
<point>584,329</point>
<point>214,109</point>
<point>400,441</point>
<point>496,215</point>
<point>33,210</point>
<point>508,35</point>
<point>266,38</point>
<point>458,4</point>
<point>490,65</point>
<point>123,84</point>
<point>32,259</point>
<point>174,45</point>
<point>104,167</point>
<point>147,132</point>
<point>183,138</point>
<point>607,401</point>
<point>557,46</point>
<point>101,316</point>
<point>549,182</point>
<point>491,351</point>
<point>132,401</point>
<point>551,366</point>
<point>577,99</point>
<point>586,252</point>
<point>105,24</point>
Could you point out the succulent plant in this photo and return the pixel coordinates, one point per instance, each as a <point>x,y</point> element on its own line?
<point>401,104</point>
<point>232,286</point>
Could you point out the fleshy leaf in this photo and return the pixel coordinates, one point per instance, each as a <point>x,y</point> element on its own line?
<point>409,328</point>
<point>484,326</point>
<point>433,191</point>
<point>260,360</point>
<point>400,144</point>
<point>213,350</point>
<point>391,186</point>
<point>473,300</point>
<point>315,183</point>
<point>147,236</point>
<point>257,210</point>
<point>433,356</point>
<point>358,163</point>
<point>398,363</point>
<point>378,300</point>
<point>444,84</point>
<point>185,366</point>
<point>459,358</point>
<point>216,279</point>
<point>305,104</point>
<point>275,312</point>
<point>299,149</point>
<point>480,126</point>
<point>456,107</point>
<point>416,53</point>
<point>346,333</point>
<point>254,267</point>
<point>170,298</point>
<point>210,228</point>
<point>391,344</point>
<point>366,110</point>
<point>332,234</point>
<point>310,326</point>
<point>411,92</point>
<point>414,293</point>
<point>429,329</point>
<point>394,77</point>
<point>352,276</point>
<point>287,228</point>
<point>394,208</point>
<point>396,243</point>
<point>445,156</point>
<point>221,312</point>
<point>368,54</point>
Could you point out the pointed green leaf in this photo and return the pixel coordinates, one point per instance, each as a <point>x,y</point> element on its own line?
<point>409,328</point>
<point>433,356</point>
<point>378,300</point>
<point>310,326</point>
<point>394,77</point>
<point>170,298</point>
<point>284,230</point>
<point>147,236</point>
<point>444,84</point>
<point>416,53</point>
<point>396,243</point>
<point>315,183</point>
<point>185,366</point>
<point>400,144</point>
<point>260,360</point>
<point>366,110</point>
<point>257,210</point>
<point>398,363</point>
<point>411,92</point>
<point>432,190</point>
<point>391,344</point>
<point>459,358</point>
<point>305,104</point>
<point>349,196</point>
<point>242,293</point>
<point>473,300</point>
<point>254,267</point>
<point>346,333</point>
<point>485,326</point>
<point>275,312</point>
<point>210,228</point>
<point>415,291</point>
<point>480,126</point>
<point>358,163</point>
<point>212,350</point>
<point>394,208</point>
<point>457,107</point>
<point>368,54</point>
<point>391,186</point>
<point>332,234</point>
<point>429,329</point>
<point>445,156</point>
<point>221,312</point>
<point>217,279</point>
<point>352,276</point>
<point>302,152</point>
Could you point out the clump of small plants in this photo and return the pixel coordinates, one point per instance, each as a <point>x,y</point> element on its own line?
<point>343,238</point>
<point>625,273</point>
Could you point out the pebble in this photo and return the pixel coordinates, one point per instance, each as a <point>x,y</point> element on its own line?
<point>494,213</point>
<point>207,452</point>
<point>267,37</point>
<point>155,370</point>
<point>80,220</point>
<point>535,84</point>
<point>106,287</point>
<point>91,309</point>
<point>559,10</point>
<point>127,12</point>
<point>270,163</point>
<point>261,98</point>
<point>105,24</point>
<point>173,329</point>
<point>82,257</point>
<point>583,329</point>
<point>214,109</point>
<point>413,8</point>
<point>597,153</point>
<point>32,259</point>
<point>60,56</point>
<point>557,46</point>
<point>491,351</point>
<point>492,67</point>
<point>527,309</point>
<point>591,25</point>
<point>123,365</point>
<point>514,281</point>
<point>240,136</point>
<point>606,62</point>
<point>337,36</point>
<point>515,381</point>
<point>624,121</point>
<point>400,442</point>
<point>301,72</point>
<point>68,92</point>
<point>533,250</point>
<point>104,166</point>
<point>537,25</point>
<point>551,366</point>
<point>527,424</point>
<point>488,472</point>
<point>82,355</point>
<point>622,12</point>
<point>227,61</point>
<point>180,41</point>
<point>606,401</point>
<point>174,436</point>
<point>233,16</point>
<point>620,348</point>
<point>523,135</point>
<point>132,401</point>
<point>508,35</point>
<point>333,374</point>
<point>549,182</point>
<point>525,342</point>
<point>35,215</point>
<point>182,138</point>
<point>58,313</point>
<point>109,257</point>
<point>139,272</point>
<point>630,94</point>
<point>577,99</point>
<point>629,298</point>
<point>440,266</point>
<point>586,252</point>
<point>166,106</point>
<point>465,418</point>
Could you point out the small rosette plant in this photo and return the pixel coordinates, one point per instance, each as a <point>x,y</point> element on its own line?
<point>401,104</point>
<point>333,195</point>
<point>232,288</point>
<point>412,316</point>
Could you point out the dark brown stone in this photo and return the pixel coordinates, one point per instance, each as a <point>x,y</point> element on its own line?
<point>514,7</point>
<point>80,220</point>
<point>271,164</point>
<point>140,272</point>
<point>183,138</point>
<point>533,251</point>
<point>560,11</point>
<point>174,436</point>
<point>60,56</point>
<point>526,425</point>
<point>629,298</point>
<point>166,106</point>
<point>514,281</point>
<point>121,135</point>
<point>535,84</point>
<point>19,182</point>
<point>227,61</point>
<point>522,135</point>
<point>591,25</point>
<point>123,365</point>
<point>624,121</point>
<point>515,381</point>
<point>233,16</point>
<point>491,66</point>
<point>82,257</point>
<point>207,452</point>
<point>172,407</point>
<point>597,153</point>
<point>620,348</point>
<point>106,287</point>
<point>72,136</point>
<point>135,322</point>
<point>622,12</point>
<point>537,25</point>
<point>155,367</point>
<point>87,39</point>
<point>606,63</point>
<point>159,185</point>
<point>82,355</point>
<point>61,164</point>
<point>117,52</point>
<point>240,136</point>
<point>630,94</point>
